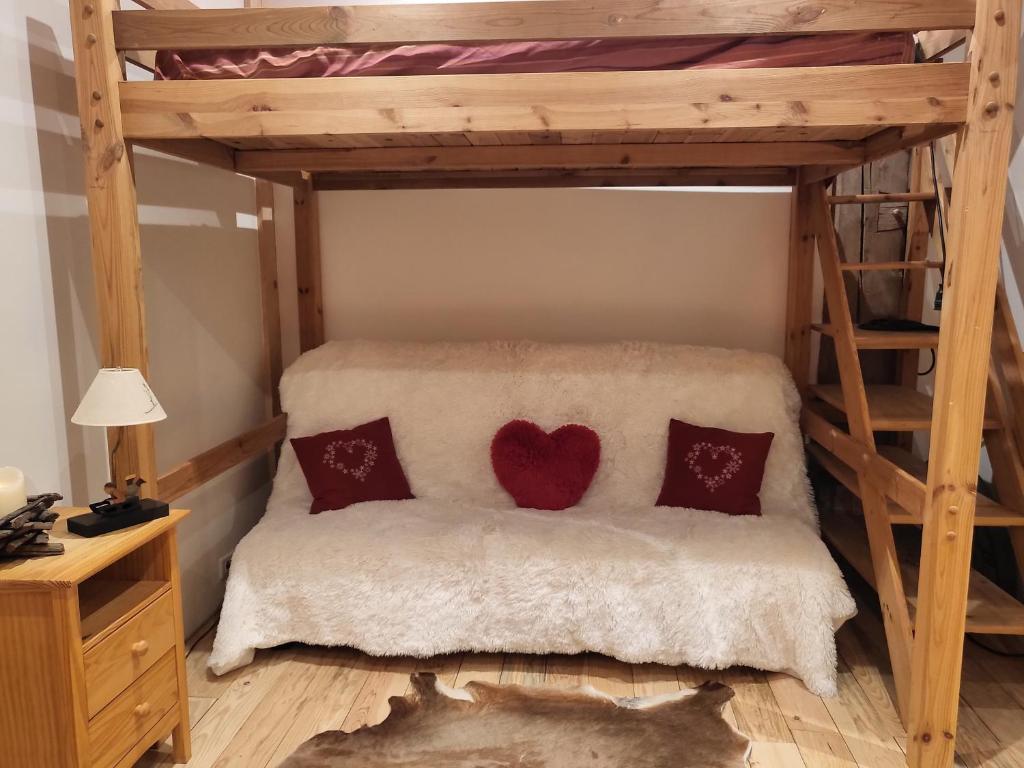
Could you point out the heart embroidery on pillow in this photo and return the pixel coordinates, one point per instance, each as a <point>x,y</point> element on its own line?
<point>696,463</point>
<point>360,472</point>
<point>545,471</point>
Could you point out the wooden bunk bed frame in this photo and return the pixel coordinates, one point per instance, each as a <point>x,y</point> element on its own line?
<point>795,127</point>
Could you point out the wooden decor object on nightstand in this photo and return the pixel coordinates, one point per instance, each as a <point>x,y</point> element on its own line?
<point>92,658</point>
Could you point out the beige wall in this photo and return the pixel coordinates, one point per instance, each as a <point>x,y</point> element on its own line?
<point>702,267</point>
<point>202,293</point>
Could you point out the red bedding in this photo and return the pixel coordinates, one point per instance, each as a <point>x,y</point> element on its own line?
<point>542,56</point>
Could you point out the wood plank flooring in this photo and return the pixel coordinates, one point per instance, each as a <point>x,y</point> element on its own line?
<point>255,716</point>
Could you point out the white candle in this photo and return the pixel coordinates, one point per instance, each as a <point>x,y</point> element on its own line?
<point>12,489</point>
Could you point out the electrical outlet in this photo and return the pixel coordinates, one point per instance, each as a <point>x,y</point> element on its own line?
<point>225,567</point>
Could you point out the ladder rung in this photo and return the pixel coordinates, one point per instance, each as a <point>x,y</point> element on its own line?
<point>990,610</point>
<point>886,339</point>
<point>883,266</point>
<point>988,513</point>
<point>891,408</point>
<point>882,197</point>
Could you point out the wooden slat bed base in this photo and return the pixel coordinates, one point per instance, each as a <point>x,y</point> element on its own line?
<point>549,157</point>
<point>544,20</point>
<point>822,97</point>
<point>201,469</point>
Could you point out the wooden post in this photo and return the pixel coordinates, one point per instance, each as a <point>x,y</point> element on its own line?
<point>975,228</point>
<point>800,287</point>
<point>266,236</point>
<point>307,267</point>
<point>113,221</point>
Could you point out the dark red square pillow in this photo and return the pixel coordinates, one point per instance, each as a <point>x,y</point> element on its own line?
<point>714,469</point>
<point>352,465</point>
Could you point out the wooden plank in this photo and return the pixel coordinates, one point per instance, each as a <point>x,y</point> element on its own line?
<point>201,469</point>
<point>881,197</point>
<point>893,408</point>
<point>523,669</point>
<point>167,5</point>
<point>895,482</point>
<point>971,277</point>
<point>202,151</point>
<point>800,287</point>
<point>853,96</point>
<point>270,300</point>
<point>563,20</point>
<point>869,266</point>
<point>899,138</point>
<point>113,223</point>
<point>988,610</point>
<point>558,179</point>
<point>886,339</point>
<point>307,267</point>
<point>990,513</point>
<point>480,667</point>
<point>856,406</point>
<point>540,157</point>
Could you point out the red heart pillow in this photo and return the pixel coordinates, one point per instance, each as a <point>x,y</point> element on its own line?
<point>545,471</point>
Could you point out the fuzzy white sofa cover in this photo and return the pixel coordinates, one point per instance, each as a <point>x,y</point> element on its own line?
<point>460,568</point>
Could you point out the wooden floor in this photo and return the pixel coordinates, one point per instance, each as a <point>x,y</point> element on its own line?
<point>255,716</point>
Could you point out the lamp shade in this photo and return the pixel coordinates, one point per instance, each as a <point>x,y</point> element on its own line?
<point>118,397</point>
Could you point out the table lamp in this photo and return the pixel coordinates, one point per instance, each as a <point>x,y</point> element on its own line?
<point>118,397</point>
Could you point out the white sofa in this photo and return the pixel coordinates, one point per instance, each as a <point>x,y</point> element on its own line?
<point>460,568</point>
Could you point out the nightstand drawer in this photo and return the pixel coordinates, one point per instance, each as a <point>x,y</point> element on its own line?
<point>119,659</point>
<point>129,717</point>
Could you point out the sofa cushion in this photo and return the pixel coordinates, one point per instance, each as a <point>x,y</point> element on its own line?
<point>447,400</point>
<point>642,584</point>
<point>714,469</point>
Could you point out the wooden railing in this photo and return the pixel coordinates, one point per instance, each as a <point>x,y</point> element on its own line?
<point>543,20</point>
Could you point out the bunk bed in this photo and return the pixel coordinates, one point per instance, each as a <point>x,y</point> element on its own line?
<point>769,125</point>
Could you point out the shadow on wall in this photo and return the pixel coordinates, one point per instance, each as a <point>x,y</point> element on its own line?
<point>203,318</point>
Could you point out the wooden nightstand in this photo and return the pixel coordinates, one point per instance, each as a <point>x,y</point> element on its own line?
<point>92,662</point>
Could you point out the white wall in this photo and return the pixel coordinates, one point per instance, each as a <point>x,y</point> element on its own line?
<point>202,293</point>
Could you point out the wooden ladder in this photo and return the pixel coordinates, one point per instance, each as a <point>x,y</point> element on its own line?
<point>889,479</point>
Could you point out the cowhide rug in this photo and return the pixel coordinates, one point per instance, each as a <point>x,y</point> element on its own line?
<point>490,726</point>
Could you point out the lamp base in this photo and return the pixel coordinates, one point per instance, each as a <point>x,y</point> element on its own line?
<point>92,524</point>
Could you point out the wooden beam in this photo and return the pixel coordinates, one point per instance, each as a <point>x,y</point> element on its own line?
<point>888,579</point>
<point>898,138</point>
<point>972,272</point>
<point>168,5</point>
<point>881,197</point>
<point>544,20</point>
<point>113,222</point>
<point>203,468</point>
<point>800,287</point>
<point>777,177</point>
<point>858,97</point>
<point>547,157</point>
<point>894,481</point>
<point>309,277</point>
<point>202,151</point>
<point>270,302</point>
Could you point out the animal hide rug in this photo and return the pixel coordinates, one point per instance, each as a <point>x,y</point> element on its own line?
<point>490,726</point>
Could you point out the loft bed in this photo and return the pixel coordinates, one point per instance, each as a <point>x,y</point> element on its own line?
<point>762,125</point>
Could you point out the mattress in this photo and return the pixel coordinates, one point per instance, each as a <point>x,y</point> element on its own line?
<point>617,54</point>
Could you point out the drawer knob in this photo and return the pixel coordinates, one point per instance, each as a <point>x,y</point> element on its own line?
<point>140,648</point>
<point>143,709</point>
